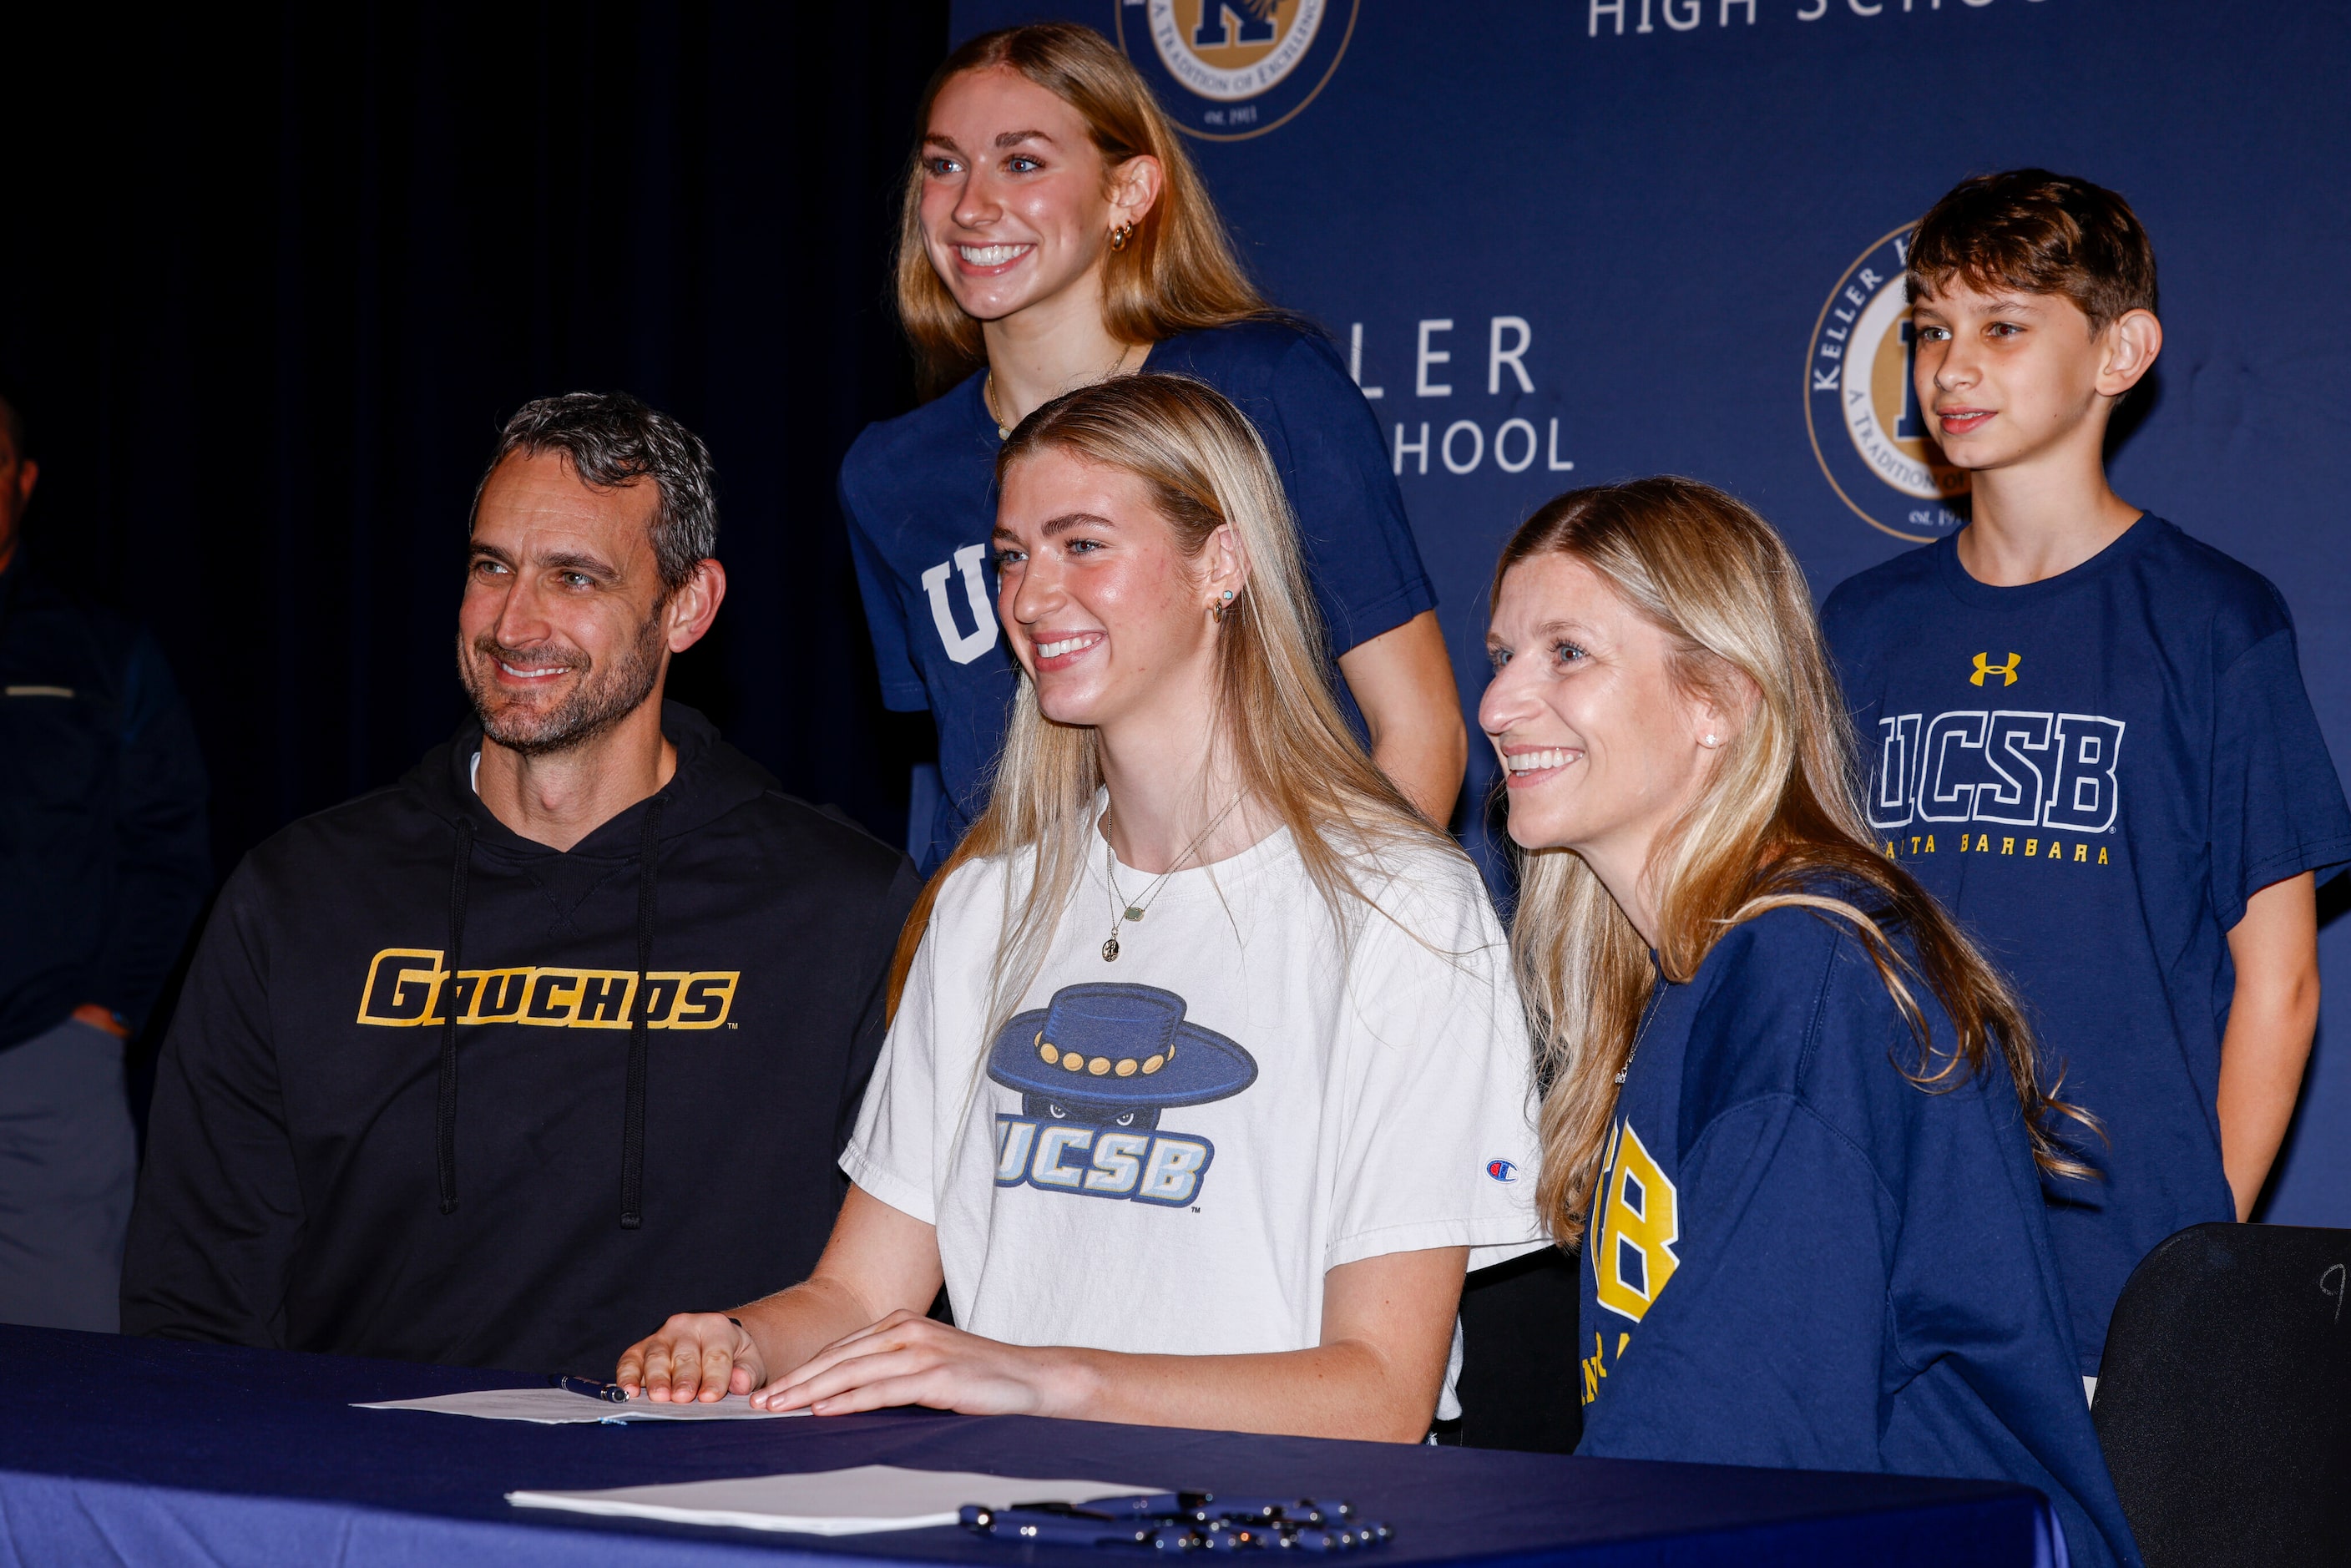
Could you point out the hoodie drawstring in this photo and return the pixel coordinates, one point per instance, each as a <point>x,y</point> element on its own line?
<point>633,1123</point>
<point>444,1117</point>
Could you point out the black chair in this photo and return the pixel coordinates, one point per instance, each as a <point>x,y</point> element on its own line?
<point>1522,1385</point>
<point>2224,1397</point>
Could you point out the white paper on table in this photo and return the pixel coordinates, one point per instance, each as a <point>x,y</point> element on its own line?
<point>856,1502</point>
<point>556,1406</point>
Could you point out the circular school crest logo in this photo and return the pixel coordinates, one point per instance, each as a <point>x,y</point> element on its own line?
<point>1860,405</point>
<point>1230,69</point>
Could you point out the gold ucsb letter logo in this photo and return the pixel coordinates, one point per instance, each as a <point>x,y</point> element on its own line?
<point>1640,1219</point>
<point>2007,673</point>
<point>407,987</point>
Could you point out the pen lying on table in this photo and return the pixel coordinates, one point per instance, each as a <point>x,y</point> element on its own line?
<point>1182,1522</point>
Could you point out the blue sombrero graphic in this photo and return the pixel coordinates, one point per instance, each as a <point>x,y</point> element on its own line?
<point>1115,1054</point>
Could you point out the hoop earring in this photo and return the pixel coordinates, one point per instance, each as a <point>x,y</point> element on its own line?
<point>1120,235</point>
<point>1223,603</point>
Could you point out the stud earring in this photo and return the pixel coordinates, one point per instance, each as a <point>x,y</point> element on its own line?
<point>1710,740</point>
<point>1120,235</point>
<point>1223,603</point>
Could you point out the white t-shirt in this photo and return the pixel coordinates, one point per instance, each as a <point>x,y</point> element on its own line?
<point>1166,1152</point>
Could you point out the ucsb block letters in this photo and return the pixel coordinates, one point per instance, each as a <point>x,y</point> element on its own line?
<point>1164,1168</point>
<point>2020,768</point>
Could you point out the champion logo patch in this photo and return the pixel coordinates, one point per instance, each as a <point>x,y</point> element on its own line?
<point>1502,1170</point>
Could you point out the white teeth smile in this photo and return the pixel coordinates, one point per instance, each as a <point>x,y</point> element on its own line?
<point>990,255</point>
<point>1066,646</point>
<point>509,669</point>
<point>1536,761</point>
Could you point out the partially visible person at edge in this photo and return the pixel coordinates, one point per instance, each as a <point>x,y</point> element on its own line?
<point>440,1087</point>
<point>1200,989</point>
<point>1802,1116</point>
<point>104,867</point>
<point>1055,233</point>
<point>2085,732</point>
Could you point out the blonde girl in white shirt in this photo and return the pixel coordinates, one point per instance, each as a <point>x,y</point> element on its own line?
<point>1207,1079</point>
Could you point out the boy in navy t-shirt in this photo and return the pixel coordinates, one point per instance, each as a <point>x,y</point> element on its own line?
<point>2086,732</point>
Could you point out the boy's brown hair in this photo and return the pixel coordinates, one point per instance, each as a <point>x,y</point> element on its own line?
<point>2040,232</point>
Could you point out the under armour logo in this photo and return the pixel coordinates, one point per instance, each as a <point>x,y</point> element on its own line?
<point>2007,673</point>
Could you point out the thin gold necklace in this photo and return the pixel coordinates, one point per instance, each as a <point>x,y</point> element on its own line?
<point>1121,910</point>
<point>1648,1013</point>
<point>988,391</point>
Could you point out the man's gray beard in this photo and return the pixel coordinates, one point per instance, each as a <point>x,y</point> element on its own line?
<point>596,705</point>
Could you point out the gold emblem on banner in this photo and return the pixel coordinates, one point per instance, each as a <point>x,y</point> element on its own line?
<point>1231,69</point>
<point>1874,446</point>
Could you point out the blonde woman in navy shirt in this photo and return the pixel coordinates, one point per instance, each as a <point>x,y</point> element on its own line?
<point>1797,1120</point>
<point>1056,234</point>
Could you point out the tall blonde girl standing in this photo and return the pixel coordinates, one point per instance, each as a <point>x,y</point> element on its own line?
<point>1054,234</point>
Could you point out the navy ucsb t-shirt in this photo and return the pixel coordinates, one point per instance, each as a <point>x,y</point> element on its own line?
<point>2094,772</point>
<point>919,495</point>
<point>1798,1257</point>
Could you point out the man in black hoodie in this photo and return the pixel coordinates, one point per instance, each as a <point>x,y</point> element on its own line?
<point>496,1066</point>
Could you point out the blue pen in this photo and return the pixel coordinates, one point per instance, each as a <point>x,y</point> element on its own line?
<point>589,1386</point>
<point>1142,1505</point>
<point>1229,1537</point>
<point>1184,1522</point>
<point>1291,1509</point>
<point>1054,1529</point>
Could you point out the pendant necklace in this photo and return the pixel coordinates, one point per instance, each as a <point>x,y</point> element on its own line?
<point>1656,998</point>
<point>1122,911</point>
<point>988,393</point>
<point>988,396</point>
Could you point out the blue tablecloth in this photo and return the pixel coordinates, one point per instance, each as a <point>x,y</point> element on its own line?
<point>137,1451</point>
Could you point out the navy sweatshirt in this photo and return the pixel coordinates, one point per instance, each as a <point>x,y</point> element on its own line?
<point>104,863</point>
<point>323,1174</point>
<point>1800,1259</point>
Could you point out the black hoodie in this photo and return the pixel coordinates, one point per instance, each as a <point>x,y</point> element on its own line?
<point>334,1166</point>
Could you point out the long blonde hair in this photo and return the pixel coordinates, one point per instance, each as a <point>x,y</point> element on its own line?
<point>1176,275</point>
<point>1278,727</point>
<point>1777,821</point>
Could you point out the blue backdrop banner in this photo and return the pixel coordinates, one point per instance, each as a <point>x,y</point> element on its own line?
<point>1574,241</point>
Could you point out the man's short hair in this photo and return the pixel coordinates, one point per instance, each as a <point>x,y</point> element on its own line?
<point>2040,233</point>
<point>611,440</point>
